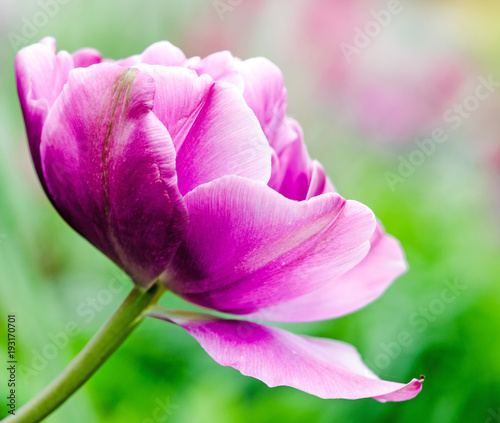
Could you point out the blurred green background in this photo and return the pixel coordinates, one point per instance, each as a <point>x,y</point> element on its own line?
<point>361,119</point>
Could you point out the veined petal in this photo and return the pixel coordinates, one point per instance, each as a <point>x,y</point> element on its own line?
<point>109,164</point>
<point>213,130</point>
<point>248,247</point>
<point>318,366</point>
<point>349,292</point>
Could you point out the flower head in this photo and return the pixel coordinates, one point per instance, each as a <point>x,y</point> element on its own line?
<point>188,171</point>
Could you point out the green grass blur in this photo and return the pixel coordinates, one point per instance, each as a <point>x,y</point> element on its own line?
<point>445,214</point>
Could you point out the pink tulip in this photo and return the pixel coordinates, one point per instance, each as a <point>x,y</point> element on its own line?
<point>188,171</point>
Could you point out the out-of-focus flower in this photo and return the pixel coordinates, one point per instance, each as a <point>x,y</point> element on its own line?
<point>391,88</point>
<point>190,172</point>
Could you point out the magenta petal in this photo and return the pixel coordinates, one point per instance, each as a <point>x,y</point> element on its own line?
<point>318,366</point>
<point>248,247</point>
<point>351,291</point>
<point>213,130</point>
<point>109,164</point>
<point>41,75</point>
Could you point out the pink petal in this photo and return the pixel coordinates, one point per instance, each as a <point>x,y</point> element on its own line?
<point>50,42</point>
<point>110,168</point>
<point>160,53</point>
<point>292,170</point>
<point>351,291</point>
<point>213,130</point>
<point>41,75</point>
<point>321,367</point>
<point>248,247</point>
<point>221,67</point>
<point>86,57</point>
<point>319,181</point>
<point>292,178</point>
<point>265,94</point>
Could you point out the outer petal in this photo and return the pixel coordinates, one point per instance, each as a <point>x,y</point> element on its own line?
<point>41,75</point>
<point>351,291</point>
<point>110,168</point>
<point>213,130</point>
<point>248,247</point>
<point>321,367</point>
<point>160,53</point>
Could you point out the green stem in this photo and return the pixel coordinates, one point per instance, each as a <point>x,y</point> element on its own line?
<point>95,353</point>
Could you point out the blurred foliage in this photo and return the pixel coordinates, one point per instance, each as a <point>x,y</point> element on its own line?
<point>445,215</point>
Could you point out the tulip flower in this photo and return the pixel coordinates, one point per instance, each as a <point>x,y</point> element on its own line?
<point>188,174</point>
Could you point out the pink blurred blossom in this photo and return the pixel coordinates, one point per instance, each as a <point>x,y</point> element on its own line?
<point>389,89</point>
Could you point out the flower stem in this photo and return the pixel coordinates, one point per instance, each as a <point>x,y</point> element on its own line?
<point>95,353</point>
